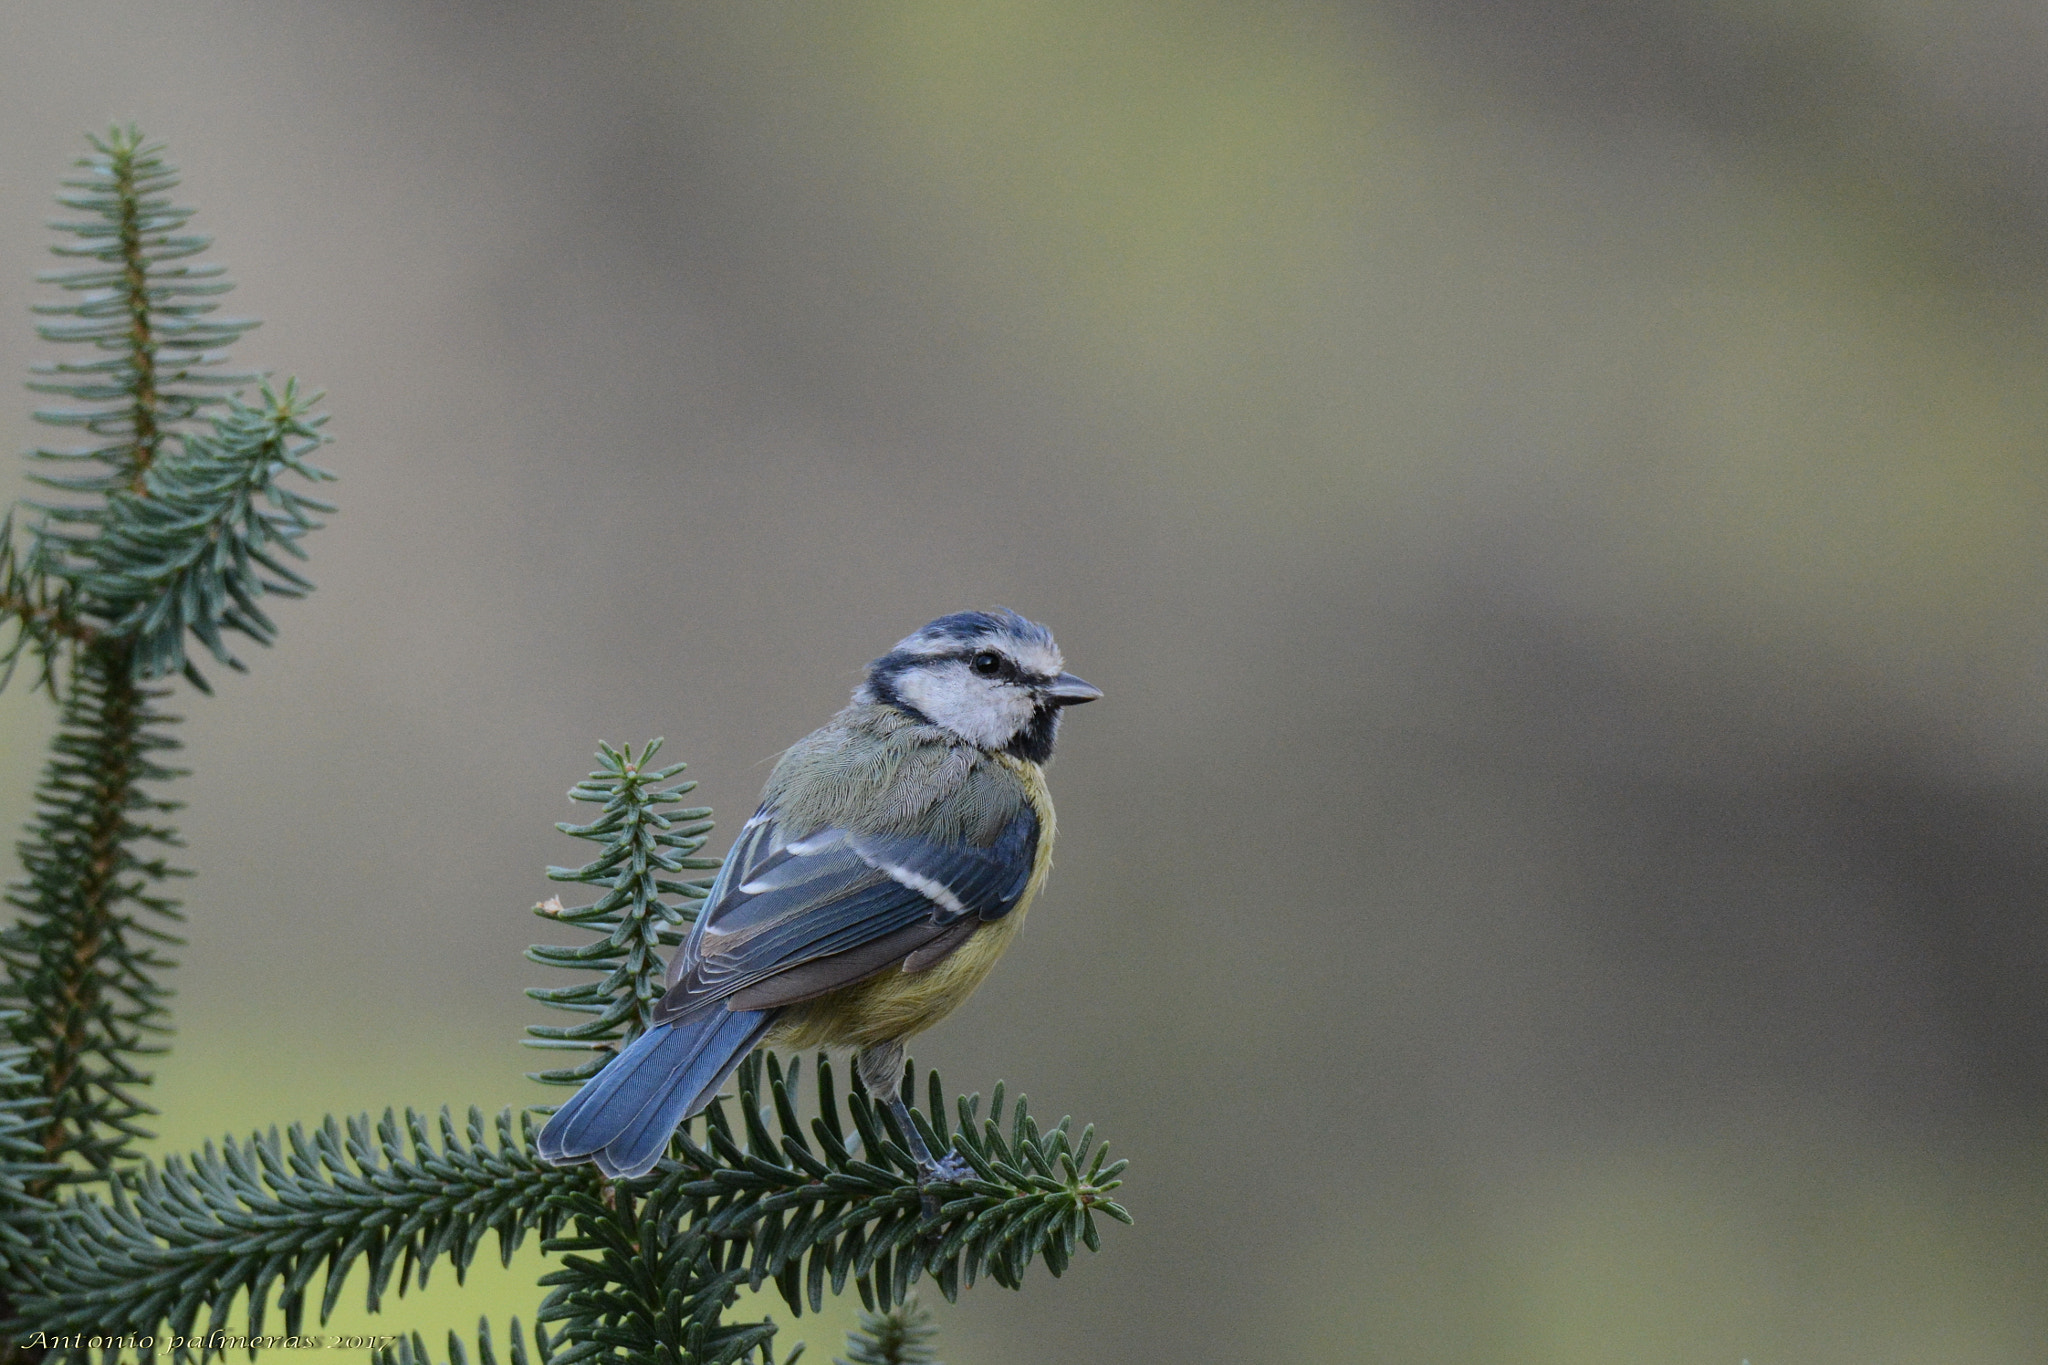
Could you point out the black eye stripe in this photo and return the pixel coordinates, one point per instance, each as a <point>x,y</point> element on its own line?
<point>895,665</point>
<point>1007,668</point>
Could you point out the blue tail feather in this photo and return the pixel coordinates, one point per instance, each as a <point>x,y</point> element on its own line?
<point>623,1116</point>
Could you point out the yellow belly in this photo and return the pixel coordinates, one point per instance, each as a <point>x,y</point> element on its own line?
<point>895,1004</point>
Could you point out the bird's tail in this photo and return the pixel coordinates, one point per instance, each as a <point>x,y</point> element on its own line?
<point>622,1117</point>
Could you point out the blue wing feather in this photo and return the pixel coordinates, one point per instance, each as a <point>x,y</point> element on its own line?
<point>780,904</point>
<point>985,881</point>
<point>623,1116</point>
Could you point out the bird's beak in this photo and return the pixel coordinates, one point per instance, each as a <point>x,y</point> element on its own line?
<point>1068,690</point>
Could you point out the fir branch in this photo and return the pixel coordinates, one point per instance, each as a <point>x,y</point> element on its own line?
<point>901,1335</point>
<point>203,539</point>
<point>83,960</point>
<point>412,1350</point>
<point>265,1216</point>
<point>40,608</point>
<point>143,304</point>
<point>643,845</point>
<point>23,1166</point>
<point>648,1267</point>
<point>182,532</point>
<point>643,1284</point>
<point>187,522</point>
<point>807,1205</point>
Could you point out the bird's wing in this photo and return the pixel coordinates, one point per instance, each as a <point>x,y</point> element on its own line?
<point>836,906</point>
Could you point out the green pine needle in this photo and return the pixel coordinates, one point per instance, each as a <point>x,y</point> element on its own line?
<point>23,1165</point>
<point>644,844</point>
<point>807,1205</point>
<point>902,1335</point>
<point>648,1268</point>
<point>186,520</point>
<point>143,305</point>
<point>177,1244</point>
<point>85,960</point>
<point>39,609</point>
<point>174,517</point>
<point>412,1350</point>
<point>205,538</point>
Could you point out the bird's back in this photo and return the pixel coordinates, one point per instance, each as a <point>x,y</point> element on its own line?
<point>874,770</point>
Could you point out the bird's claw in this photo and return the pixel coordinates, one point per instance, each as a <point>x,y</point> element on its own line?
<point>948,1168</point>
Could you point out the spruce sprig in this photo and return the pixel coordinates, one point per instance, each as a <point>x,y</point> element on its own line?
<point>647,1266</point>
<point>185,521</point>
<point>645,843</point>
<point>206,536</point>
<point>804,1205</point>
<point>640,1281</point>
<point>179,530</point>
<point>170,518</point>
<point>23,1164</point>
<point>38,608</point>
<point>264,1217</point>
<point>412,1350</point>
<point>772,1199</point>
<point>85,960</point>
<point>900,1335</point>
<point>144,305</point>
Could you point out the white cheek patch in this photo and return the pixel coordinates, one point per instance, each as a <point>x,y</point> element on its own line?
<point>972,708</point>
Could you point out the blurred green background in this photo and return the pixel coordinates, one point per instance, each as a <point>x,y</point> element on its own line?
<point>1553,492</point>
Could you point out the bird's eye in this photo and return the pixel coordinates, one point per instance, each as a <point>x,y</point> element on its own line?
<point>987,663</point>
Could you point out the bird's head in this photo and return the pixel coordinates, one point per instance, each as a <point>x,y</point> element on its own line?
<point>991,677</point>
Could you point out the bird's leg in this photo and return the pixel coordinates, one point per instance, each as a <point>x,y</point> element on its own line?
<point>881,1071</point>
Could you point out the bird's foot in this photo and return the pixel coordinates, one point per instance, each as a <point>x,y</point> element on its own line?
<point>948,1168</point>
<point>951,1166</point>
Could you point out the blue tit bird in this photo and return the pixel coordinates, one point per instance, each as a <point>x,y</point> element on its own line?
<point>891,861</point>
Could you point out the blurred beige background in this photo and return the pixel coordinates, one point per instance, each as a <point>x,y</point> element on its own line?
<point>1554,494</point>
